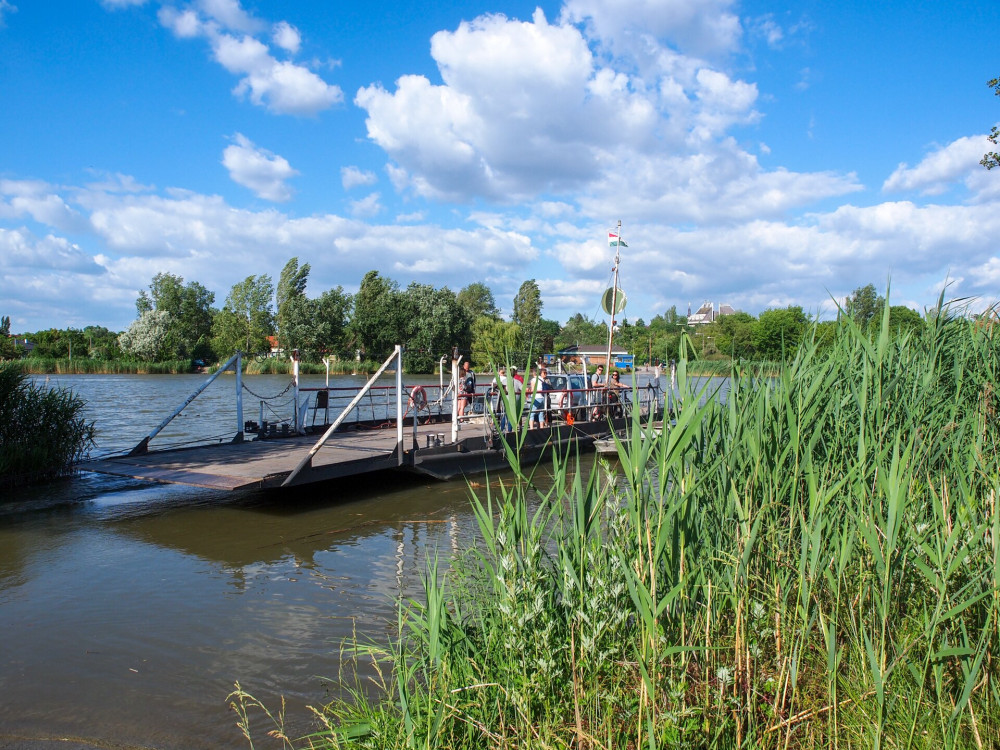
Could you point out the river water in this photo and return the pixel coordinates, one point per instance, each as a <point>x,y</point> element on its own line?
<point>129,609</point>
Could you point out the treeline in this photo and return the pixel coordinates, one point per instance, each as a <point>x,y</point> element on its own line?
<point>177,323</point>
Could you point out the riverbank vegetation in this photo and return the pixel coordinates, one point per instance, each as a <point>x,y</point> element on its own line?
<point>814,563</point>
<point>176,322</point>
<point>42,430</point>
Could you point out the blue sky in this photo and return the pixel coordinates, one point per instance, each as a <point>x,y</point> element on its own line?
<point>757,154</point>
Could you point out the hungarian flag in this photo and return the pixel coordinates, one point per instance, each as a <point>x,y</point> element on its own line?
<point>615,241</point>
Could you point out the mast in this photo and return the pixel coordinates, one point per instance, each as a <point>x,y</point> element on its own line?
<point>614,303</point>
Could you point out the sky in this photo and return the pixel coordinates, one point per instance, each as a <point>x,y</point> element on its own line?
<point>756,154</point>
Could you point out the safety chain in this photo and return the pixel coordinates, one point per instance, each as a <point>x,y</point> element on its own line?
<point>269,398</point>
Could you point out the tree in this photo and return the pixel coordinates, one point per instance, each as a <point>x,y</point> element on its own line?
<point>992,158</point>
<point>247,318</point>
<point>580,330</point>
<point>903,319</point>
<point>190,310</point>
<point>294,313</point>
<point>8,350</point>
<point>496,342</point>
<point>528,314</point>
<point>734,335</point>
<point>437,323</point>
<point>332,316</point>
<point>864,305</point>
<point>380,319</point>
<point>147,338</point>
<point>778,332</point>
<point>477,300</point>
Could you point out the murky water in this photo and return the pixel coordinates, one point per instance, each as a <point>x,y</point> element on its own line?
<point>128,609</point>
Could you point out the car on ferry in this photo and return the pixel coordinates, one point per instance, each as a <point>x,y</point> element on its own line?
<point>570,392</point>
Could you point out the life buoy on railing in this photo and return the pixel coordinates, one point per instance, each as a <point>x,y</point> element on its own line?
<point>418,398</point>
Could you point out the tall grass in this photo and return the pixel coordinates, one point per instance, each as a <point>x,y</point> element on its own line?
<point>85,366</point>
<point>42,430</point>
<point>813,563</point>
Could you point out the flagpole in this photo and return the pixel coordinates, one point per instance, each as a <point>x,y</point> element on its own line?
<point>614,302</point>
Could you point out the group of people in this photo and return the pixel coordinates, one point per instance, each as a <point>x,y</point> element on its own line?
<point>603,394</point>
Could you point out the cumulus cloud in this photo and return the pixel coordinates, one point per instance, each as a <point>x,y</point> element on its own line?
<point>367,207</point>
<point>352,177</point>
<point>941,169</point>
<point>260,170</point>
<point>287,37</point>
<point>698,27</point>
<point>281,86</point>
<point>39,201</point>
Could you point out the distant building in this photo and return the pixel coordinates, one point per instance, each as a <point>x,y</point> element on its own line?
<point>708,314</point>
<point>27,346</point>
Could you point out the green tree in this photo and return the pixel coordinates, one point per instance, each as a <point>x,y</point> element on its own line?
<point>496,341</point>
<point>332,317</point>
<point>778,332</point>
<point>580,331</point>
<point>903,319</point>
<point>380,319</point>
<point>992,158</point>
<point>437,323</point>
<point>247,318</point>
<point>864,305</point>
<point>528,314</point>
<point>477,299</point>
<point>147,339</point>
<point>8,350</point>
<point>294,312</point>
<point>189,307</point>
<point>734,335</point>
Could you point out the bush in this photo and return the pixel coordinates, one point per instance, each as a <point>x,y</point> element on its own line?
<point>42,430</point>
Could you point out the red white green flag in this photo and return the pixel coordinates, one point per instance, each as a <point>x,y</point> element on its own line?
<point>615,241</point>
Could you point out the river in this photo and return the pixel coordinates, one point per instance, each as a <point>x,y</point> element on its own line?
<point>129,609</point>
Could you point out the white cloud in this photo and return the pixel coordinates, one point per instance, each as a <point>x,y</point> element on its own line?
<point>699,27</point>
<point>287,37</point>
<point>109,4</point>
<point>258,169</point>
<point>367,207</point>
<point>281,86</point>
<point>39,201</point>
<point>941,169</point>
<point>352,177</point>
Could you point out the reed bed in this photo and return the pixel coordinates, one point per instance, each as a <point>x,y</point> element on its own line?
<point>85,366</point>
<point>43,431</point>
<point>811,564</point>
<point>283,366</point>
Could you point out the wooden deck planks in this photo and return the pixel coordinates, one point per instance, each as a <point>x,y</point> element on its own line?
<point>265,463</point>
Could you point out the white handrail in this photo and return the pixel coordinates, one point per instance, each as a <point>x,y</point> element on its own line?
<point>398,353</point>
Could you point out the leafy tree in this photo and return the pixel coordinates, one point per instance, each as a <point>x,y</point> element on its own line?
<point>332,316</point>
<point>380,319</point>
<point>147,338</point>
<point>864,305</point>
<point>778,332</point>
<point>247,318</point>
<point>496,341</point>
<point>477,300</point>
<point>437,323</point>
<point>8,350</point>
<point>528,314</point>
<point>734,335</point>
<point>294,312</point>
<point>903,319</point>
<point>580,330</point>
<point>190,314</point>
<point>992,158</point>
